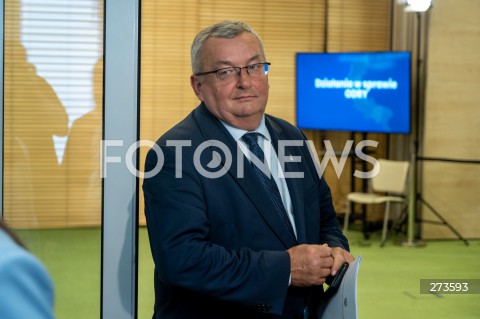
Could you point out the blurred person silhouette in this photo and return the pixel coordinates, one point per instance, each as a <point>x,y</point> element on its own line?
<point>82,159</point>
<point>34,181</point>
<point>26,287</point>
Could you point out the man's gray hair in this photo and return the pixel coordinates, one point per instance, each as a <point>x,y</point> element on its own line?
<point>224,29</point>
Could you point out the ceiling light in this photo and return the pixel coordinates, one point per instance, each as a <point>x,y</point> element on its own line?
<point>418,5</point>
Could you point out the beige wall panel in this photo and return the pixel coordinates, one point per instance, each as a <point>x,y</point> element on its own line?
<point>452,189</point>
<point>452,123</point>
<point>452,118</point>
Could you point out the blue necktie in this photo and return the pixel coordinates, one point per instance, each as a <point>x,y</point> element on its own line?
<point>269,184</point>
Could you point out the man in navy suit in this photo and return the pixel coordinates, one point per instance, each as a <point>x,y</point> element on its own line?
<point>223,246</point>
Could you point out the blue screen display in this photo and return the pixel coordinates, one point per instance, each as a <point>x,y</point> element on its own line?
<point>359,92</point>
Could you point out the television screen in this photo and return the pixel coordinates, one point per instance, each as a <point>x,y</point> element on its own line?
<point>359,92</point>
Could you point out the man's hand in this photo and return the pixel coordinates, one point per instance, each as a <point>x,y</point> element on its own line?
<point>310,264</point>
<point>340,256</point>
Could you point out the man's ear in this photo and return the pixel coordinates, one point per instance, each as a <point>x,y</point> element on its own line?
<point>197,87</point>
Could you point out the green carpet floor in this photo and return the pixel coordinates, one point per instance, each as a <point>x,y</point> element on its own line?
<point>388,284</point>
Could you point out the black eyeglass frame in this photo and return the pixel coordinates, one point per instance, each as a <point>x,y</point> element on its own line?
<point>233,67</point>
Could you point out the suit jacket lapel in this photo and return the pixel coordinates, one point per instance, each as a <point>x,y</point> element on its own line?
<point>212,129</point>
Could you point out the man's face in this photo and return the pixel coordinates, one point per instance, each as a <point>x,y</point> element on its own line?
<point>240,101</point>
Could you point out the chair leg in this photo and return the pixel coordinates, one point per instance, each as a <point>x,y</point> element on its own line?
<point>385,223</point>
<point>347,217</point>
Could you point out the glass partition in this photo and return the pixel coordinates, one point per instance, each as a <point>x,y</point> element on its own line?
<point>52,190</point>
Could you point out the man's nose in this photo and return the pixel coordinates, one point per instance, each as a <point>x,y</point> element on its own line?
<point>243,78</point>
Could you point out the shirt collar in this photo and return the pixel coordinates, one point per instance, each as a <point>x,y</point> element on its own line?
<point>237,133</point>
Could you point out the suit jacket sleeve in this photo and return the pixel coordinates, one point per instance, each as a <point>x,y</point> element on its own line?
<point>185,257</point>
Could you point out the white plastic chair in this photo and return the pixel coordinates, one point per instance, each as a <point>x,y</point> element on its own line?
<point>391,179</point>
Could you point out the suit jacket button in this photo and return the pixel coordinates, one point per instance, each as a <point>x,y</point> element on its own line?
<point>266,307</point>
<point>262,307</point>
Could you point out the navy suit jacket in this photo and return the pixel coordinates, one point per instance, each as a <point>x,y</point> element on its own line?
<point>219,249</point>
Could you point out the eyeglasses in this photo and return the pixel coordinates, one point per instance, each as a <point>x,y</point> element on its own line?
<point>253,70</point>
